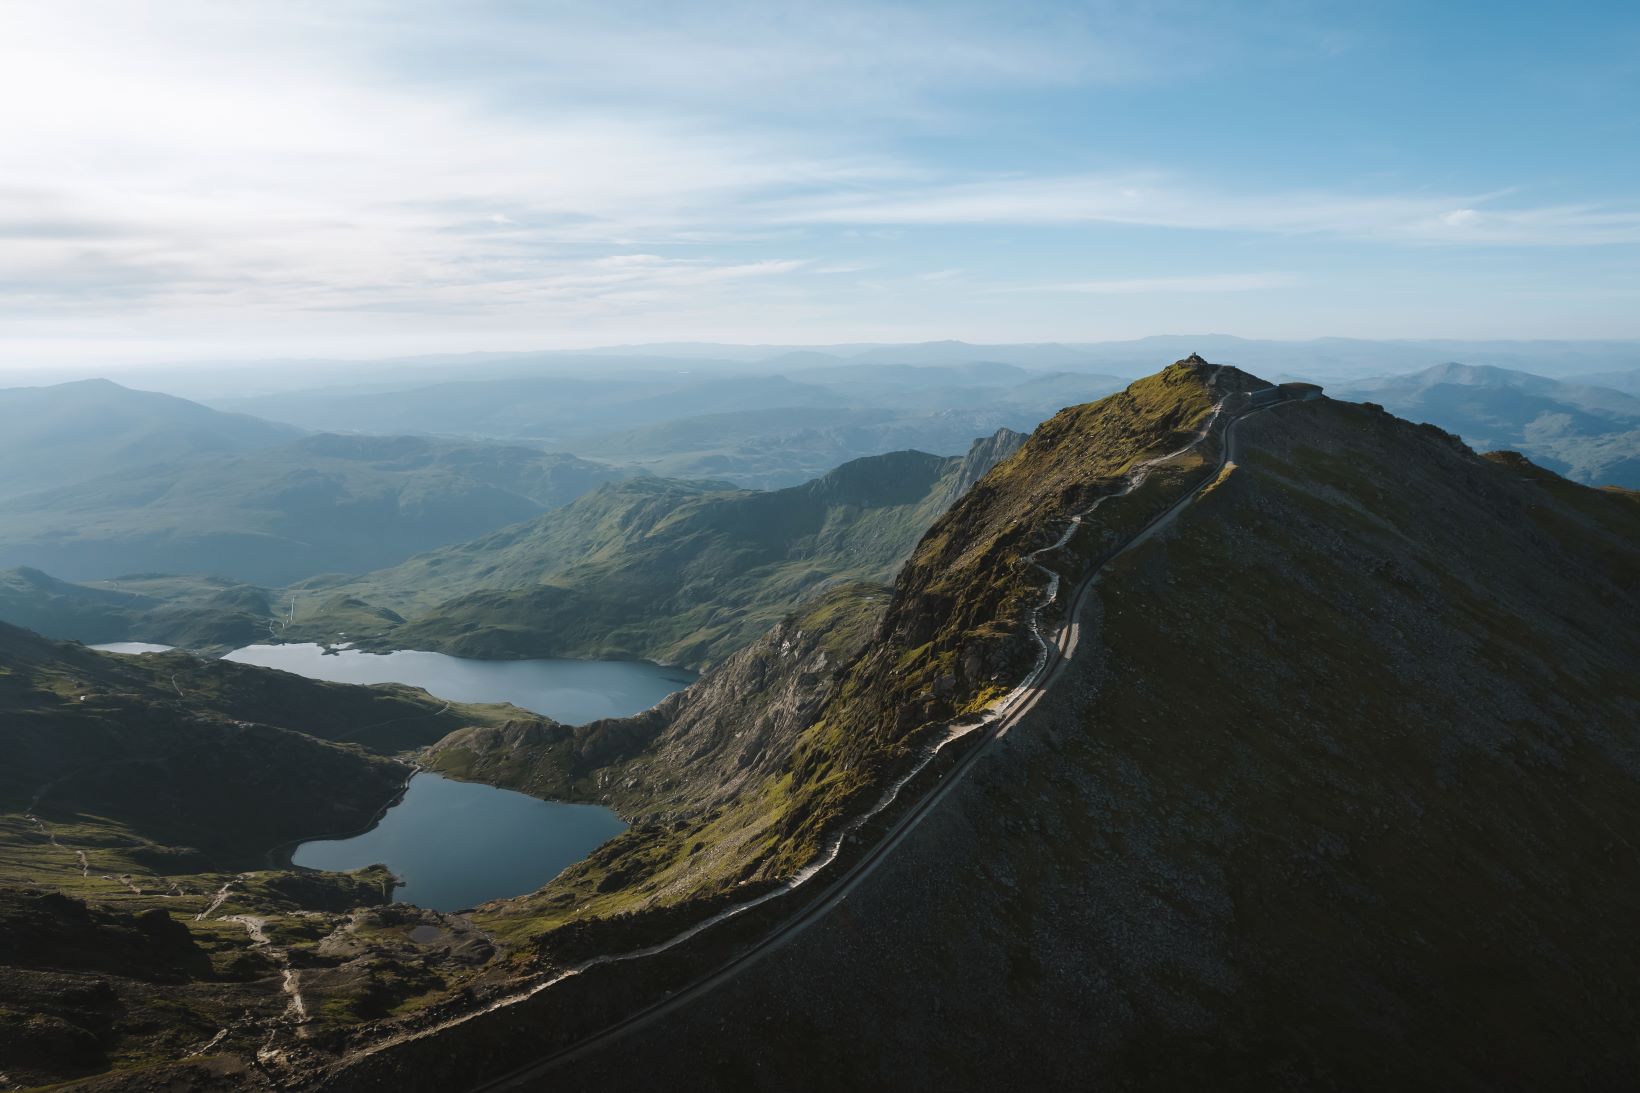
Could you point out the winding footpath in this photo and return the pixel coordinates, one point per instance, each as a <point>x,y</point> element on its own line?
<point>1052,658</point>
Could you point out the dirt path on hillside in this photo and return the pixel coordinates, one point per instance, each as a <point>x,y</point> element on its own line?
<point>295,1014</point>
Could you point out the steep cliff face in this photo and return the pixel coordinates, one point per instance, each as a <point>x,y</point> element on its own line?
<point>1339,791</point>
<point>984,455</point>
<point>693,774</point>
<point>698,748</point>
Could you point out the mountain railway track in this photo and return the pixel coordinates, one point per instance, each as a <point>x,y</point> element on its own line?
<point>1051,664</point>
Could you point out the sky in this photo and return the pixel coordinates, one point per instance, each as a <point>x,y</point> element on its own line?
<point>241,179</point>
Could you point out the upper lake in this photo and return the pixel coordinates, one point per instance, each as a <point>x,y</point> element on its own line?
<point>571,691</point>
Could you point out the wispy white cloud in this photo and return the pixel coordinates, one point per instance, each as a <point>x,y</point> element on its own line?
<point>849,60</point>
<point>1168,201</point>
<point>1128,286</point>
<point>257,166</point>
<point>173,159</point>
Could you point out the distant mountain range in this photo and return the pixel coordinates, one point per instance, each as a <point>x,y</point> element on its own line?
<point>52,436</point>
<point>1319,358</point>
<point>664,569</point>
<point>150,483</point>
<point>933,409</point>
<point>1627,381</point>
<point>762,431</point>
<point>1590,434</point>
<point>541,408</point>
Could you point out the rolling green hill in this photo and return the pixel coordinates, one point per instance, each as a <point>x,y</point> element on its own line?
<point>679,572</point>
<point>1589,434</point>
<point>324,503</point>
<point>200,613</point>
<point>69,432</point>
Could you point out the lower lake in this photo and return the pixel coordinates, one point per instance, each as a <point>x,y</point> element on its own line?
<point>132,648</point>
<point>571,691</point>
<point>457,844</point>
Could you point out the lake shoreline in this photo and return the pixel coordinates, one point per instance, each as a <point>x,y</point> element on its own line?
<point>450,842</point>
<point>569,691</point>
<point>427,837</point>
<point>279,857</point>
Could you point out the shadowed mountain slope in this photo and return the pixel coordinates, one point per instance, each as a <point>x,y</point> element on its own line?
<point>123,737</point>
<point>1339,795</point>
<point>1336,791</point>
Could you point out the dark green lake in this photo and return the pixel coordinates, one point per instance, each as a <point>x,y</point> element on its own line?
<point>456,844</point>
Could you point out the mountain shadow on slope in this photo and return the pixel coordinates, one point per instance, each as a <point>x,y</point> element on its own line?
<point>1334,793</point>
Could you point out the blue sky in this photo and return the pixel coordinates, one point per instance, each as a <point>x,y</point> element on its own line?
<point>182,179</point>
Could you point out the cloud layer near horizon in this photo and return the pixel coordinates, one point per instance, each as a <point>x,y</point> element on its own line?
<point>192,177</point>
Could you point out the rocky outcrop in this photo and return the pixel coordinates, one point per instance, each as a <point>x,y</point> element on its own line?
<point>986,453</point>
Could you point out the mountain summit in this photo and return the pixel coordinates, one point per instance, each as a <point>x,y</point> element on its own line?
<point>1323,786</point>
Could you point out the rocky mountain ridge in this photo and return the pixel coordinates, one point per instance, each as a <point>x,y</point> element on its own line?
<point>1334,793</point>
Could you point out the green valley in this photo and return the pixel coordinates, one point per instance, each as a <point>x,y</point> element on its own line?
<point>673,571</point>
<point>324,503</point>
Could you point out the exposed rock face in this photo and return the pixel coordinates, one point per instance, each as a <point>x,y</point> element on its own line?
<point>986,453</point>
<point>697,762</point>
<point>1341,792</point>
<point>697,748</point>
<point>722,741</point>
